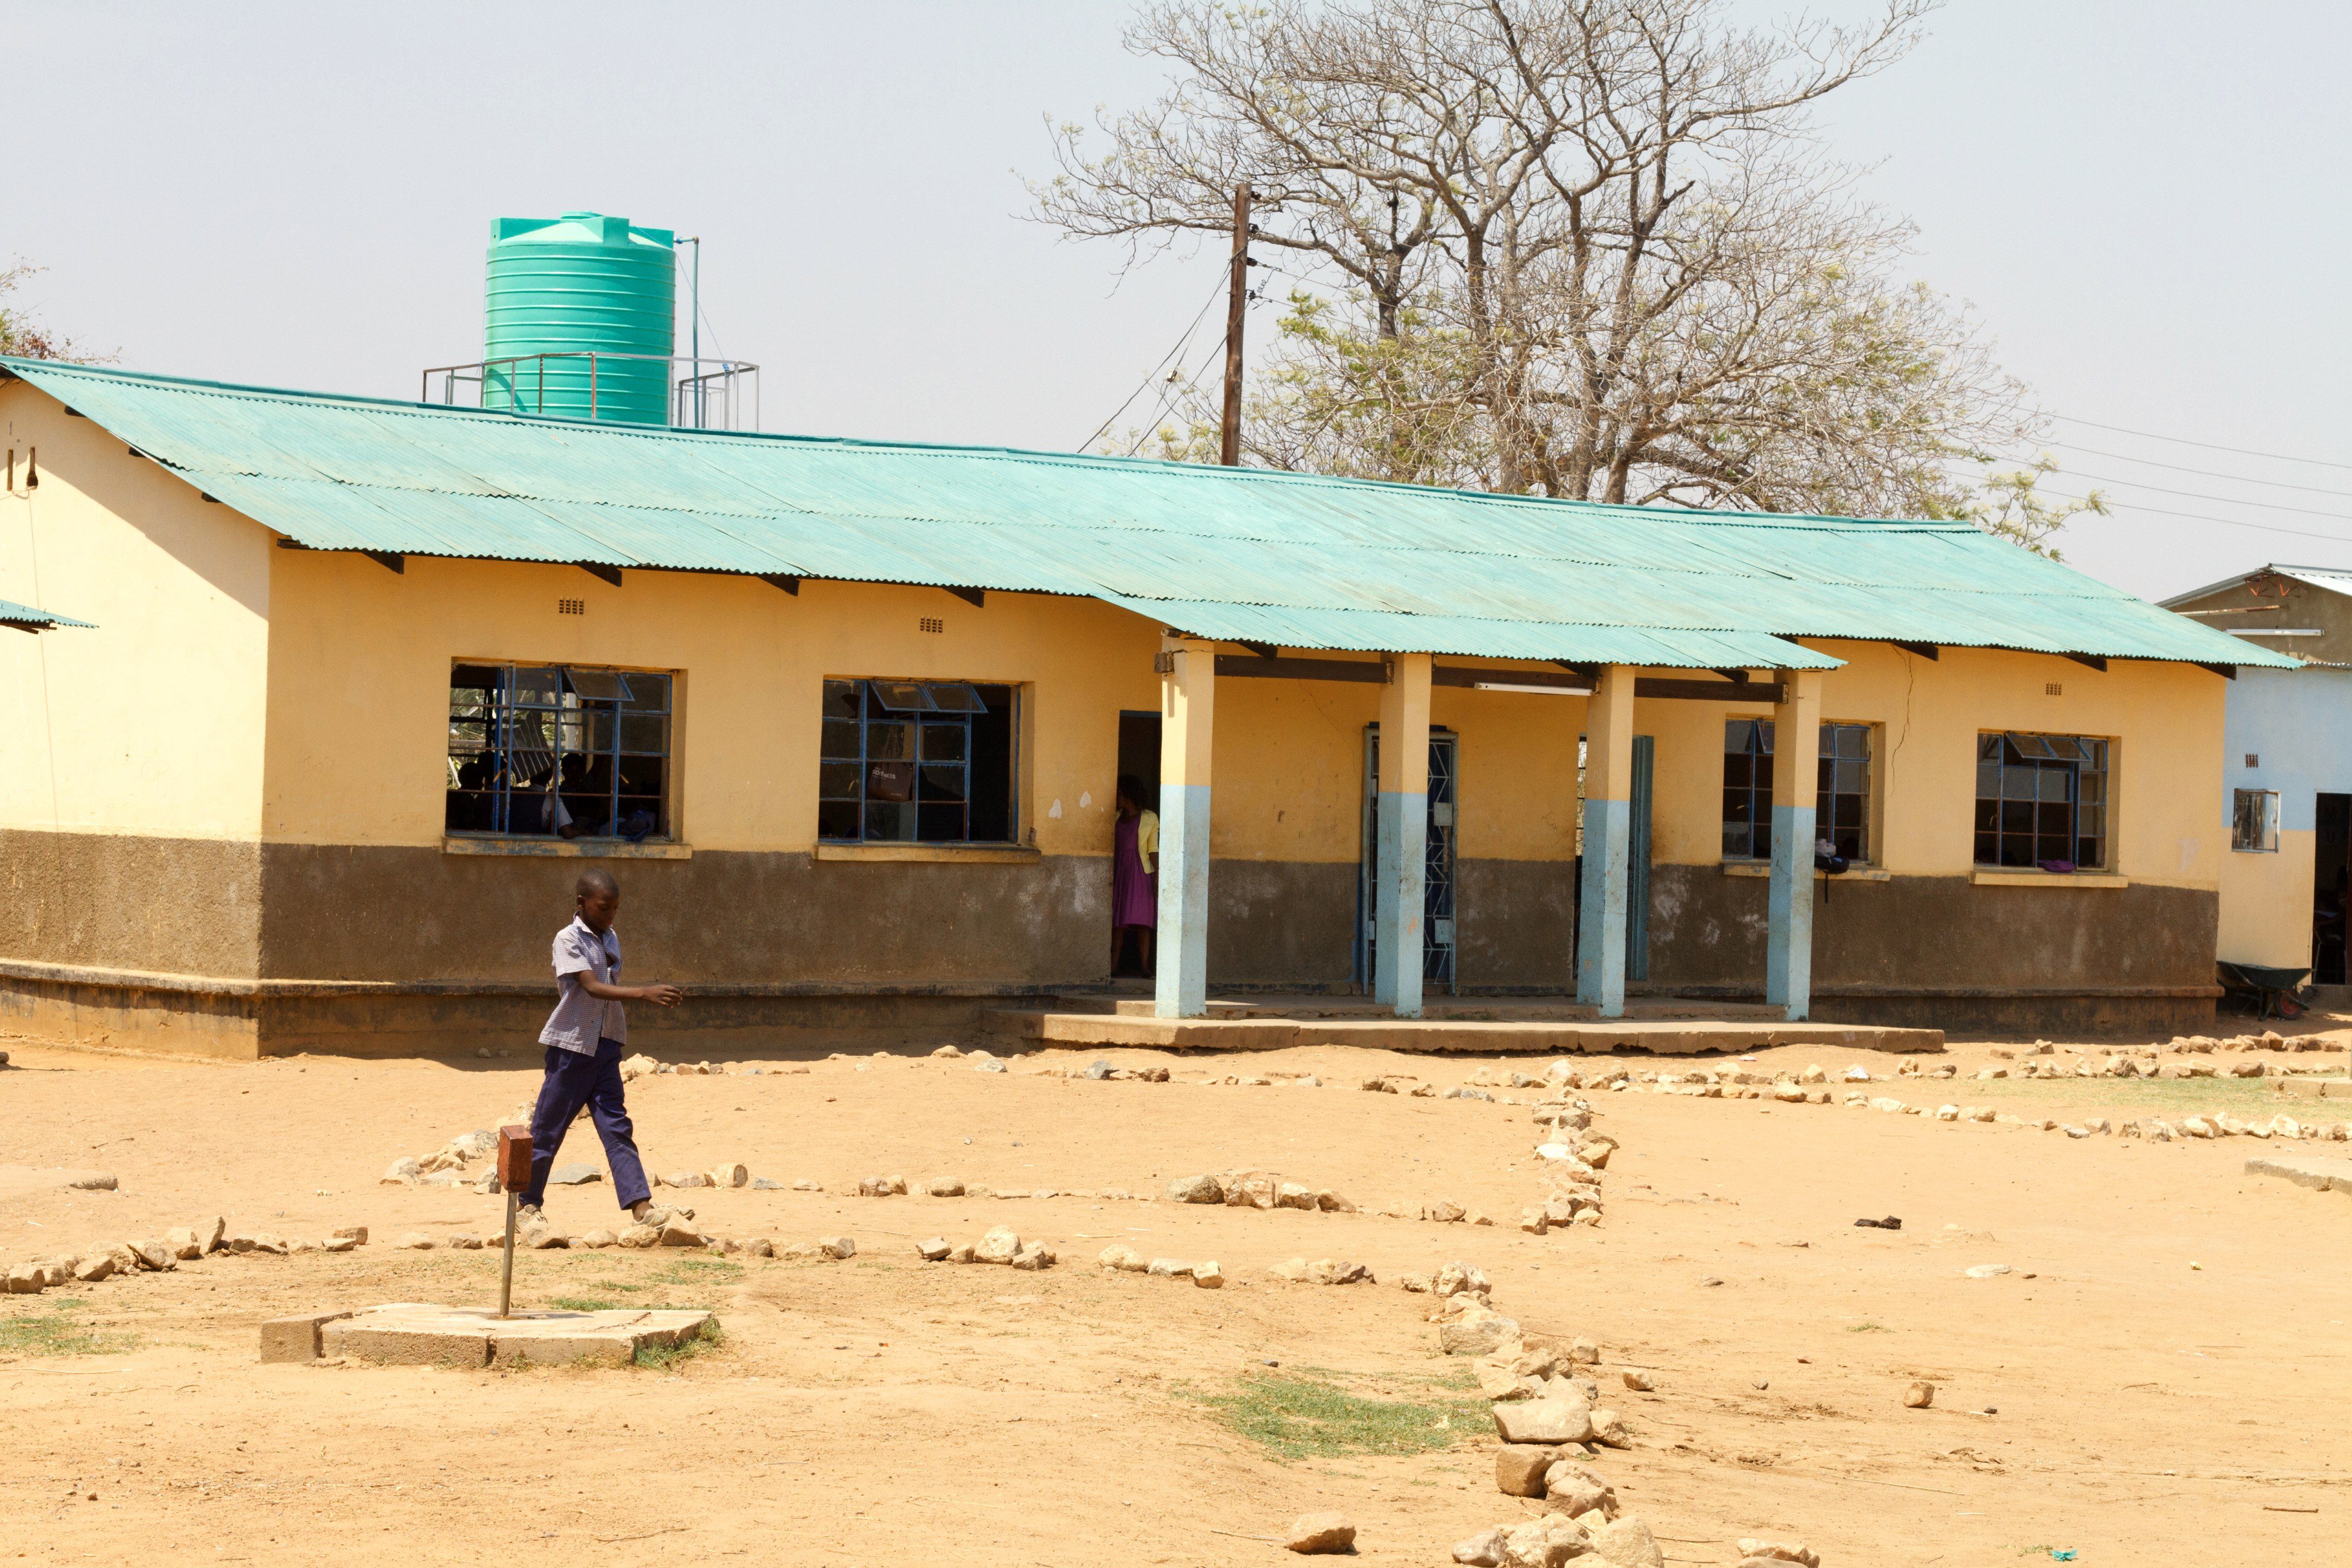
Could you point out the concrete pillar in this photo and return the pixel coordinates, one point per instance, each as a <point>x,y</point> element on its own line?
<point>1403,817</point>
<point>1796,778</point>
<point>1188,706</point>
<point>1608,824</point>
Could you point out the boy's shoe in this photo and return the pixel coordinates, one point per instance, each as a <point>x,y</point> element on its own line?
<point>529,1215</point>
<point>651,1214</point>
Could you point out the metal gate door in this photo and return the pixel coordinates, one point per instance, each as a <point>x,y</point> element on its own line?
<point>1438,911</point>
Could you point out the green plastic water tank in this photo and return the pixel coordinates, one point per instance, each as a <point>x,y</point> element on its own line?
<point>573,284</point>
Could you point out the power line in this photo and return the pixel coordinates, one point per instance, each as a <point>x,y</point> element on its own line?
<point>1153,374</point>
<point>2225,501</point>
<point>2208,446</point>
<point>2225,521</point>
<point>1176,389</point>
<point>2206,473</point>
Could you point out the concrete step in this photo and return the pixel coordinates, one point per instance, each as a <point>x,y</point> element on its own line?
<point>1552,1038</point>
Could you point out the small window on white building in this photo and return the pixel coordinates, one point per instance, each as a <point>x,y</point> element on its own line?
<point>2253,821</point>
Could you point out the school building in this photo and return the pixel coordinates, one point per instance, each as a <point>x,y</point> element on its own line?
<point>364,685</point>
<point>2287,770</point>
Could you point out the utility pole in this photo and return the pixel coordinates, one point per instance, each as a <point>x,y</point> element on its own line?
<point>1228,447</point>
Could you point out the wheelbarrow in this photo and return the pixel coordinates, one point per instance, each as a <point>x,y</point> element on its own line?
<point>2271,990</point>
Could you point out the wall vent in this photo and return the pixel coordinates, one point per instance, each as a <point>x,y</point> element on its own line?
<point>931,624</point>
<point>570,606</point>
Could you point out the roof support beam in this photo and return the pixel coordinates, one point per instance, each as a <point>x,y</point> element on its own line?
<point>2226,671</point>
<point>976,597</point>
<point>1494,677</point>
<point>1652,687</point>
<point>1737,677</point>
<point>1263,650</point>
<point>1590,672</point>
<point>1924,649</point>
<point>598,569</point>
<point>2094,661</point>
<point>391,561</point>
<point>34,627</point>
<point>1371,671</point>
<point>779,580</point>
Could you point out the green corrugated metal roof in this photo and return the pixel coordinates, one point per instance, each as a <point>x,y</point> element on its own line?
<point>1297,559</point>
<point>31,619</point>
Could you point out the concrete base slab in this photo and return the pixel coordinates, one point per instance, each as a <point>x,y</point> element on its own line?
<point>2315,1087</point>
<point>410,1334</point>
<point>1251,1027</point>
<point>2324,1175</point>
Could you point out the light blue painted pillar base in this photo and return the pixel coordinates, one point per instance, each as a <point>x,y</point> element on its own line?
<point>1600,913</point>
<point>1608,826</point>
<point>1796,779</point>
<point>1188,676</point>
<point>1788,942</point>
<point>1400,820</point>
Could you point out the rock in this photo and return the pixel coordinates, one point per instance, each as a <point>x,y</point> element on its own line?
<point>89,1270</point>
<point>840,1248</point>
<point>464,1243</point>
<point>401,1172</point>
<point>944,1187</point>
<point>962,1254</point>
<point>1456,1277</point>
<point>1609,1430</point>
<point>1331,1202</point>
<point>1167,1269</point>
<point>761,1185</point>
<point>1637,1380</point>
<point>1097,1070</point>
<point>1987,1270</point>
<point>1484,1549</point>
<point>1571,1489</point>
<point>416,1241</point>
<point>948,1053</point>
<point>1551,1420</point>
<point>679,1231</point>
<point>936,1249</point>
<point>988,1064</point>
<point>686,1179</point>
<point>1251,1190</point>
<point>882,1187</point>
<point>642,1236</point>
<point>1520,1467</point>
<point>1317,1534</point>
<point>576,1174</point>
<point>1781,1552</point>
<point>999,1245</point>
<point>1447,1211</point>
<point>1033,1256</point>
<point>26,1280</point>
<point>1208,1276</point>
<point>1583,1352</point>
<point>156,1256</point>
<point>1919,1395</point>
<point>805,1185</point>
<point>736,1174</point>
<point>1293,1196</point>
<point>1546,1542</point>
<point>1627,1543</point>
<point>1125,1258</point>
<point>185,1243</point>
<point>1332,1271</point>
<point>1534,1222</point>
<point>1482,1333</point>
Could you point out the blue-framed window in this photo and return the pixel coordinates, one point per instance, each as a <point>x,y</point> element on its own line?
<point>1841,800</point>
<point>2041,800</point>
<point>915,761</point>
<point>559,751</point>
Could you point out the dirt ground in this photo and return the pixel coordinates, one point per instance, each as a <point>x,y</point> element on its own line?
<point>2158,1380</point>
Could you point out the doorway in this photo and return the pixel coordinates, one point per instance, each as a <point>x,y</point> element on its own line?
<point>1139,758</point>
<point>2331,883</point>
<point>1439,913</point>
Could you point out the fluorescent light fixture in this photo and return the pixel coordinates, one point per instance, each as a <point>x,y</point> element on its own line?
<point>2271,631</point>
<point>1540,690</point>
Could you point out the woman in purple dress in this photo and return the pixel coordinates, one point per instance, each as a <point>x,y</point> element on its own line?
<point>1134,875</point>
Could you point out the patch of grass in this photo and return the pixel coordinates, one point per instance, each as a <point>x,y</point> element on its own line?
<point>2251,1099</point>
<point>1868,1329</point>
<point>46,1329</point>
<point>585,1304</point>
<point>703,1271</point>
<point>663,1358</point>
<point>1306,1417</point>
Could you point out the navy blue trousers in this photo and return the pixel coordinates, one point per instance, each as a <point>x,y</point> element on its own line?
<point>575,1080</point>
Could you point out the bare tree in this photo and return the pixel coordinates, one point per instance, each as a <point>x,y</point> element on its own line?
<point>23,338</point>
<point>1579,248</point>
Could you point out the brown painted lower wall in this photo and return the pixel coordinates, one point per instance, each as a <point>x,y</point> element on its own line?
<point>1514,928</point>
<point>1942,952</point>
<point>188,906</point>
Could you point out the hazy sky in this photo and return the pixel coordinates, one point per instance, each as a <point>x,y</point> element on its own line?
<point>2143,199</point>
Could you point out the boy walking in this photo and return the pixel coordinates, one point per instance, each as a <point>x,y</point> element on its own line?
<point>584,1037</point>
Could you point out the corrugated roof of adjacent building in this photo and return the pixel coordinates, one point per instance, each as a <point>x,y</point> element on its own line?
<point>1297,559</point>
<point>30,619</point>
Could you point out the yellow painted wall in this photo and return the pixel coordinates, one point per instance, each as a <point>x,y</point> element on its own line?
<point>152,723</point>
<point>2165,767</point>
<point>360,691</point>
<point>2266,903</point>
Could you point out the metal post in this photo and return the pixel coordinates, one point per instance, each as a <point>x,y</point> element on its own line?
<point>506,1273</point>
